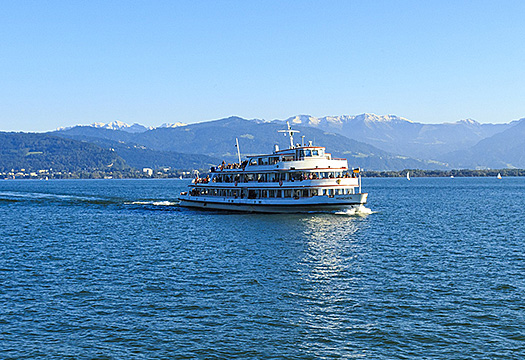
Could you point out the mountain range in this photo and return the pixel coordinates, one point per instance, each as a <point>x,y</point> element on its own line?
<point>380,142</point>
<point>402,136</point>
<point>217,139</point>
<point>372,142</point>
<point>119,125</point>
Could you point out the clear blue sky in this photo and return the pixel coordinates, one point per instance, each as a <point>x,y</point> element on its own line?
<point>69,62</point>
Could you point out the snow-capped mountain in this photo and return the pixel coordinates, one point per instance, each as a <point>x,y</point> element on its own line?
<point>119,125</point>
<point>341,121</point>
<point>402,136</point>
<point>172,125</point>
<point>122,126</point>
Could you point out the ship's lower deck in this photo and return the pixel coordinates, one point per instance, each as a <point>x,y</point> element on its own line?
<point>302,205</point>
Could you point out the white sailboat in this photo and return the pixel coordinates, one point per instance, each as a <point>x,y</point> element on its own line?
<point>408,175</point>
<point>499,176</point>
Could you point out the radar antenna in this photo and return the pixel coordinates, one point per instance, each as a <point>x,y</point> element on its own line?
<point>290,133</point>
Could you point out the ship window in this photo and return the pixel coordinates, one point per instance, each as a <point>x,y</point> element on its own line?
<point>308,153</point>
<point>314,192</point>
<point>315,153</point>
<point>287,193</point>
<point>273,160</point>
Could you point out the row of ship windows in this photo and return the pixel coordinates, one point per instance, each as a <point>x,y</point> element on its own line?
<point>276,177</point>
<point>277,193</point>
<point>275,159</point>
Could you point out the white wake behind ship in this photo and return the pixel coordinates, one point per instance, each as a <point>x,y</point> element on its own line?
<point>302,178</point>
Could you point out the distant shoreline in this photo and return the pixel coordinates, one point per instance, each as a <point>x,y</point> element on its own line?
<point>446,173</point>
<point>175,174</point>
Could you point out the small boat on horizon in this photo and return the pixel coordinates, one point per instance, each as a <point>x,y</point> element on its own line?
<point>408,175</point>
<point>499,176</point>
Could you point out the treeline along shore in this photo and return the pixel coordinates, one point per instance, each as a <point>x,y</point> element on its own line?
<point>189,173</point>
<point>96,174</point>
<point>446,173</point>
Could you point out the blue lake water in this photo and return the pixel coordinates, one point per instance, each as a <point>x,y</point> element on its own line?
<point>113,269</point>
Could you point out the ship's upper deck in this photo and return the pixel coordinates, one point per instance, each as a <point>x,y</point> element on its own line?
<point>300,157</point>
<point>296,157</point>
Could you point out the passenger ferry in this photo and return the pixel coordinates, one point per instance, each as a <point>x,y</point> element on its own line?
<point>302,178</point>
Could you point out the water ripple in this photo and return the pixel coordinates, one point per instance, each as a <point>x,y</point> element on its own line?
<point>115,269</point>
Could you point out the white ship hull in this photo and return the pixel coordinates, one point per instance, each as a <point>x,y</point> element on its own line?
<point>302,178</point>
<point>303,205</point>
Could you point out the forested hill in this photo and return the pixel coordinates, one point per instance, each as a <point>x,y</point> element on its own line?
<point>34,151</point>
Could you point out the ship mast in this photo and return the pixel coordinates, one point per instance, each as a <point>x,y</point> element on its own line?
<point>290,133</point>
<point>238,150</point>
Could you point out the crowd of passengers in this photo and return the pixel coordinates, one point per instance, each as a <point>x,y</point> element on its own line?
<point>253,161</point>
<point>261,178</point>
<point>228,166</point>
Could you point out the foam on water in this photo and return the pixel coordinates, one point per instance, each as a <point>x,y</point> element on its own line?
<point>11,195</point>
<point>361,210</point>
<point>155,203</point>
